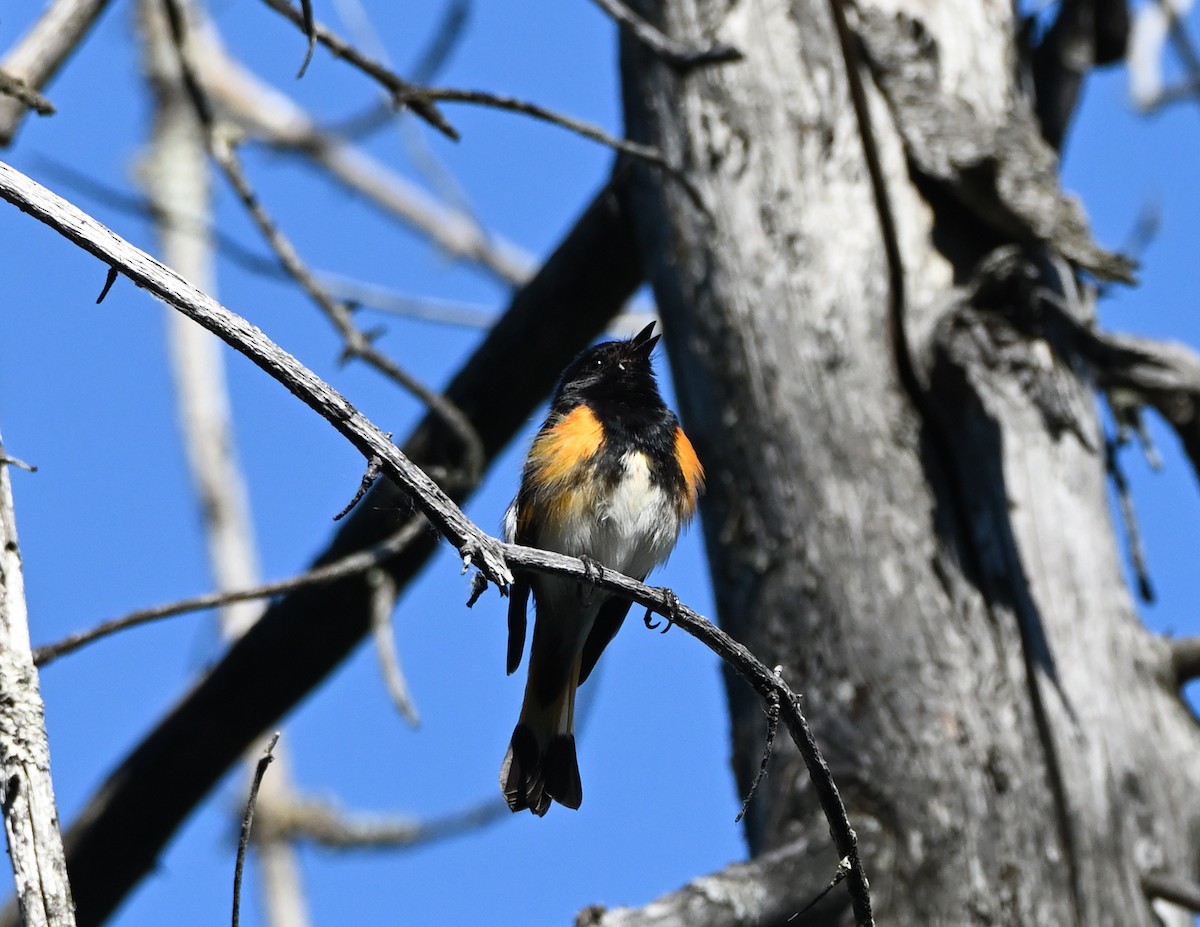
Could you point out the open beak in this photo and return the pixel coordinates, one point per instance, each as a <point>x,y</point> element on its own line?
<point>644,341</point>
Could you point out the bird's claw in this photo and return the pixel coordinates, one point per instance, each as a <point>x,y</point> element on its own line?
<point>668,612</point>
<point>593,573</point>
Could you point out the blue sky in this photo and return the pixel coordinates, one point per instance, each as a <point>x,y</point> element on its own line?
<point>107,524</point>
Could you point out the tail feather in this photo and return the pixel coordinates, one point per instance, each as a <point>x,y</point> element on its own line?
<point>541,764</point>
<point>560,769</point>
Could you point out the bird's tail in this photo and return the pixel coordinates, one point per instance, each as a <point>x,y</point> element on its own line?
<point>541,764</point>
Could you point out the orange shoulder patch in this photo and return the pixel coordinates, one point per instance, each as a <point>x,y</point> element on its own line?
<point>560,449</point>
<point>693,471</point>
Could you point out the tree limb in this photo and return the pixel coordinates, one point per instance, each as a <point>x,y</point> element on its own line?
<point>26,791</point>
<point>767,891</point>
<point>303,636</point>
<point>1162,374</point>
<point>476,549</point>
<point>1185,659</point>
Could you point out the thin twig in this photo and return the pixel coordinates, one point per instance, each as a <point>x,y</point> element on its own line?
<point>843,870</point>
<point>678,55</point>
<point>347,566</point>
<point>357,344</point>
<point>383,600</point>
<point>308,26</point>
<point>369,477</point>
<point>647,153</point>
<point>403,92</point>
<point>6,461</point>
<point>20,91</point>
<point>413,96</point>
<point>109,279</point>
<point>247,821</point>
<point>772,730</point>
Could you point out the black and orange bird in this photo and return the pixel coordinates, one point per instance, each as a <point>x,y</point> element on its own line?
<point>610,478</point>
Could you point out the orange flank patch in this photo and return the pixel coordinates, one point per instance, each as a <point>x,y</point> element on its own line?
<point>560,450</point>
<point>693,472</point>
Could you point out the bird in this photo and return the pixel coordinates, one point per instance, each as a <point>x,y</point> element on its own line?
<point>612,479</point>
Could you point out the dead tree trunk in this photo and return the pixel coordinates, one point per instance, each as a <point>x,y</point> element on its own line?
<point>907,504</point>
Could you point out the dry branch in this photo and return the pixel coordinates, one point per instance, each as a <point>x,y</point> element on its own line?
<point>403,93</point>
<point>26,791</point>
<point>321,823</point>
<point>356,343</point>
<point>476,549</point>
<point>1162,374</point>
<point>422,99</point>
<point>303,636</point>
<point>276,120</point>
<point>358,562</point>
<point>247,821</point>
<point>1185,659</point>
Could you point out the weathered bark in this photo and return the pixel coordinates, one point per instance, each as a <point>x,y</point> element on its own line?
<point>918,535</point>
<point>26,792</point>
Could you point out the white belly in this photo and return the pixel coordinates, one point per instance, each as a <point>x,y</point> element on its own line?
<point>631,530</point>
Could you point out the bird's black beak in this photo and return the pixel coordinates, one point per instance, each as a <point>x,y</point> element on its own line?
<point>644,341</point>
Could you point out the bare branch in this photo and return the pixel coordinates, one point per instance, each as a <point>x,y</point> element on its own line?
<point>413,96</point>
<point>303,636</point>
<point>1182,892</point>
<point>26,791</point>
<point>247,821</point>
<point>1185,659</point>
<point>277,120</point>
<point>676,54</point>
<point>355,563</point>
<point>39,54</point>
<point>21,92</point>
<point>246,338</point>
<point>357,345</point>
<point>402,92</point>
<point>647,153</point>
<point>383,601</point>
<point>772,730</point>
<point>321,823</point>
<point>1163,374</point>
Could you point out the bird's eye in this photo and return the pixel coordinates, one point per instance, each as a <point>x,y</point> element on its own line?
<point>598,363</point>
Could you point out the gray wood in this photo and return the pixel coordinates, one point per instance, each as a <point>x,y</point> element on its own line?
<point>26,792</point>
<point>937,574</point>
